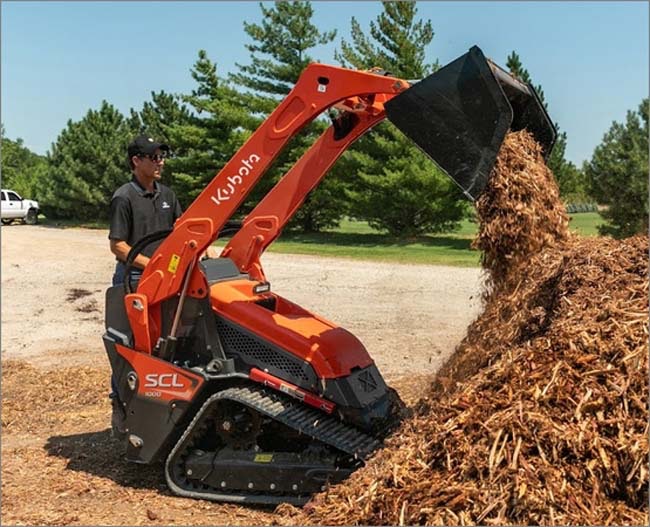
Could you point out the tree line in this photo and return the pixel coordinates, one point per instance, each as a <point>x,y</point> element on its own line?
<point>383,178</point>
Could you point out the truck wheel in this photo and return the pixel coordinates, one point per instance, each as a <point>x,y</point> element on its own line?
<point>32,217</point>
<point>7,221</point>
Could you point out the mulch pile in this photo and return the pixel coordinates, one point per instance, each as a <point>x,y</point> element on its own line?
<point>541,415</point>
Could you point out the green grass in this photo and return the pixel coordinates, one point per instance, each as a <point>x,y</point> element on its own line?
<point>586,223</point>
<point>71,224</point>
<point>357,240</point>
<point>442,249</point>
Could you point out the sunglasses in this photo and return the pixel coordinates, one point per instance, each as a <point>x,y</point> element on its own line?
<point>156,158</point>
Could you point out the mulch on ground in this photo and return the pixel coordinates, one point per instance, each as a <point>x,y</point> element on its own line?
<point>541,416</point>
<point>60,465</point>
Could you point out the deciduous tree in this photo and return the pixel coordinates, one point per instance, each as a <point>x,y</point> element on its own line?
<point>22,169</point>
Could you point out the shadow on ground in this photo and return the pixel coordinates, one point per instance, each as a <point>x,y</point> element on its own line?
<point>99,454</point>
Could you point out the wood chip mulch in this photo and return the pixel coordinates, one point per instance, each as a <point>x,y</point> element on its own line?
<point>60,465</point>
<point>520,211</point>
<point>541,416</point>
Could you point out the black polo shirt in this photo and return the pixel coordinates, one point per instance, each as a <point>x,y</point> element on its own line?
<point>136,212</point>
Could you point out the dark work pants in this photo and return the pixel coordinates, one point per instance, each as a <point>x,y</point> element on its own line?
<point>118,279</point>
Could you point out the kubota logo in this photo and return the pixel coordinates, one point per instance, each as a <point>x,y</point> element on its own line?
<point>162,380</point>
<point>232,182</point>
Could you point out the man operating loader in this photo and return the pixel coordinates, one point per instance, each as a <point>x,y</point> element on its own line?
<point>138,208</point>
<point>248,397</point>
<point>142,206</point>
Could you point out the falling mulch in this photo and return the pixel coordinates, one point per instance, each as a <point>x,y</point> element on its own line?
<point>541,416</point>
<point>520,210</point>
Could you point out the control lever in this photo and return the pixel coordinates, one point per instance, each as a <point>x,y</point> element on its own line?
<point>168,345</point>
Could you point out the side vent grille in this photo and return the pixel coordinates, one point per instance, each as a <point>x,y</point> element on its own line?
<point>256,352</point>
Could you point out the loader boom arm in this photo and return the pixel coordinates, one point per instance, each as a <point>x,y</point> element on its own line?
<point>457,115</point>
<point>266,221</point>
<point>319,88</point>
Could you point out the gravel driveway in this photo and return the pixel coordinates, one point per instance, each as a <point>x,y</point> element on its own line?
<point>410,317</point>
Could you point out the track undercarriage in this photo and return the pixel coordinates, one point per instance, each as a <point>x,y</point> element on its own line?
<point>249,445</point>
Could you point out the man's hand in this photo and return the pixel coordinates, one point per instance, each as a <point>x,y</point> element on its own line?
<point>210,252</point>
<point>121,249</point>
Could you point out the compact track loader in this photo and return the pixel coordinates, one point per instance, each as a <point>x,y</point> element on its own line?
<point>244,395</point>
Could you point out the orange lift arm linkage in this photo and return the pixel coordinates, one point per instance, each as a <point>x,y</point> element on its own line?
<point>173,268</point>
<point>266,221</point>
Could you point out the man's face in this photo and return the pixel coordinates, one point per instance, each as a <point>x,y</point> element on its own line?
<point>150,166</point>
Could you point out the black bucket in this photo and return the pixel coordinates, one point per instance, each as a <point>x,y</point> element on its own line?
<point>460,115</point>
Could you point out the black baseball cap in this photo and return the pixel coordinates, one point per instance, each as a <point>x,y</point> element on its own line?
<point>145,145</point>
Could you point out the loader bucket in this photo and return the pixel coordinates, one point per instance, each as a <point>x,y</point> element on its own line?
<point>460,115</point>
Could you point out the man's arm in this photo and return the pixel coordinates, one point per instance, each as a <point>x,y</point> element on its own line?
<point>121,250</point>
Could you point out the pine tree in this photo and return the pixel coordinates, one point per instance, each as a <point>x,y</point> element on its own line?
<point>396,187</point>
<point>396,44</point>
<point>279,53</point>
<point>516,68</point>
<point>87,163</point>
<point>204,129</point>
<point>570,178</point>
<point>162,118</point>
<point>159,116</point>
<point>618,174</point>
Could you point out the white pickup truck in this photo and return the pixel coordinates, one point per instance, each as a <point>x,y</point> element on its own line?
<point>16,208</point>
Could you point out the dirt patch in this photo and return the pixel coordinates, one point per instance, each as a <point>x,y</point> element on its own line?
<point>410,317</point>
<point>75,293</point>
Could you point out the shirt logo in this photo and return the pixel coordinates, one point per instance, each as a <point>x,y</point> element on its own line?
<point>165,205</point>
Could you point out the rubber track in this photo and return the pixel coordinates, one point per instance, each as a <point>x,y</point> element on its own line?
<point>283,409</point>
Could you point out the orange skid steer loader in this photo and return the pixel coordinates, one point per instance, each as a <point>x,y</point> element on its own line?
<point>244,395</point>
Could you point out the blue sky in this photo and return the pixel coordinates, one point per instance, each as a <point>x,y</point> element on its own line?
<point>60,59</point>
